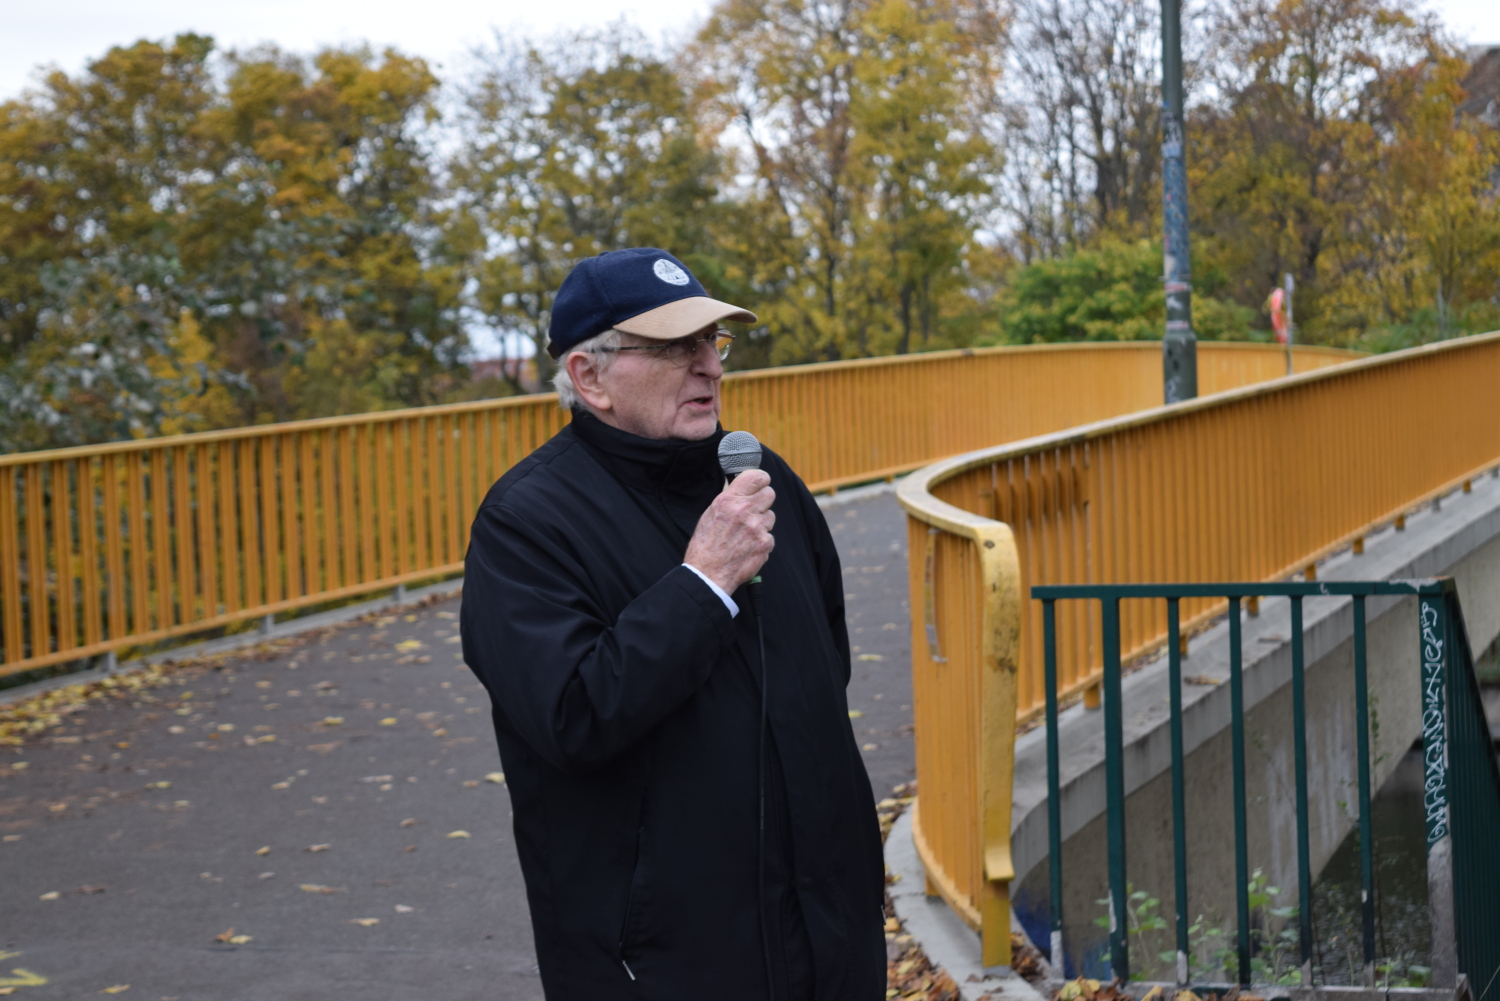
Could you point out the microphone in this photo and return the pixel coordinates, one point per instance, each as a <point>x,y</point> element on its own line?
<point>739,451</point>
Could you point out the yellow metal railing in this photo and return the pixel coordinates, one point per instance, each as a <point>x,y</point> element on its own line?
<point>1253,484</point>
<point>129,543</point>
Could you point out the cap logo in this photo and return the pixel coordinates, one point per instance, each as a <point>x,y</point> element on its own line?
<point>669,272</point>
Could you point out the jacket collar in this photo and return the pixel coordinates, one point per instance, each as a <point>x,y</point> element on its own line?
<point>668,465</point>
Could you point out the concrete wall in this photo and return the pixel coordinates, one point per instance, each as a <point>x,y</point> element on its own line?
<point>1463,539</point>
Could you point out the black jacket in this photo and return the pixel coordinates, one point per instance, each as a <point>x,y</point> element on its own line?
<point>627,710</point>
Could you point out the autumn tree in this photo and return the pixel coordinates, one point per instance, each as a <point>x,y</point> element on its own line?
<point>568,149</point>
<point>860,128</point>
<point>275,203</point>
<point>1083,124</point>
<point>1290,167</point>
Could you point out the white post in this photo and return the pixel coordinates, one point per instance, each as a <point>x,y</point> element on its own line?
<point>1291,330</point>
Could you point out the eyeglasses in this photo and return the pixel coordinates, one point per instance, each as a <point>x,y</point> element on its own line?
<point>683,350</point>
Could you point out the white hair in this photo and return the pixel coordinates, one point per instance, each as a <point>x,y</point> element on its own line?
<point>567,395</point>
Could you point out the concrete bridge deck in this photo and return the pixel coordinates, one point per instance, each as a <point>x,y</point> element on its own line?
<point>144,817</point>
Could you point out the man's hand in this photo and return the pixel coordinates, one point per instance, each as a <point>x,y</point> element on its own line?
<point>733,538</point>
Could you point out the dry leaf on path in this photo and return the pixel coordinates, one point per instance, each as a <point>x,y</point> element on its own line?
<point>316,888</point>
<point>458,834</point>
<point>364,922</point>
<point>318,848</point>
<point>264,850</point>
<point>116,989</point>
<point>496,777</point>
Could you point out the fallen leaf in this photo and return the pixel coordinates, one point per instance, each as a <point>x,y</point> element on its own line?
<point>50,896</point>
<point>160,785</point>
<point>239,940</point>
<point>318,848</point>
<point>496,777</point>
<point>1154,994</point>
<point>315,888</point>
<point>408,822</point>
<point>458,834</point>
<point>333,720</point>
<point>388,721</point>
<point>471,785</point>
<point>269,738</point>
<point>364,922</point>
<point>226,728</point>
<point>870,656</point>
<point>176,729</point>
<point>404,909</point>
<point>224,936</point>
<point>282,785</point>
<point>856,713</point>
<point>1200,679</point>
<point>324,748</point>
<point>122,744</point>
<point>869,747</point>
<point>407,646</point>
<point>116,989</point>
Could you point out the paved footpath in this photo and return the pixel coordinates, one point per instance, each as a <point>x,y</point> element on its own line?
<point>326,799</point>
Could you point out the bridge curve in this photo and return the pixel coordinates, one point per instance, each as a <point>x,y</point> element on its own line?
<point>1256,483</point>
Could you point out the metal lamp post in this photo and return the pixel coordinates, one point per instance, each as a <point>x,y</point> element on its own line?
<point>1179,346</point>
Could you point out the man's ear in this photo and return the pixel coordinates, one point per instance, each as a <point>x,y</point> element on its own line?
<point>583,370</point>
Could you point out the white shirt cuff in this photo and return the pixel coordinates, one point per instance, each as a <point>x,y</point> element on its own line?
<point>726,599</point>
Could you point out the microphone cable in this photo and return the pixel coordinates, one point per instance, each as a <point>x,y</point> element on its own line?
<point>760,860</point>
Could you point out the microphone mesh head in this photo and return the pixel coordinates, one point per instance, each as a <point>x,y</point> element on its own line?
<point>738,451</point>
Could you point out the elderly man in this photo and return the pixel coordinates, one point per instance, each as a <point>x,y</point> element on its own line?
<point>691,811</point>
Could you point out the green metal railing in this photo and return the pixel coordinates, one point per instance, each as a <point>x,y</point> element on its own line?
<point>1461,783</point>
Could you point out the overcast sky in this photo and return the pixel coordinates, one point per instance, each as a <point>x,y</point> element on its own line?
<point>66,33</point>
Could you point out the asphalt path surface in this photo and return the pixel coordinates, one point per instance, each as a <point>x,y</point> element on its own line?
<point>323,818</point>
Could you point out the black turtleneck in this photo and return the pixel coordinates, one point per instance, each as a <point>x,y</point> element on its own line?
<point>682,476</point>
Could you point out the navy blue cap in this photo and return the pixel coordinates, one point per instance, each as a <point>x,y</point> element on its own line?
<point>641,290</point>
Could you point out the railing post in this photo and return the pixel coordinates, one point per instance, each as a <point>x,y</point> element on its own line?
<point>1114,785</point>
<point>1054,787</point>
<point>1179,792</point>
<point>1241,822</point>
<point>1440,900</point>
<point>1299,741</point>
<point>1366,825</point>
